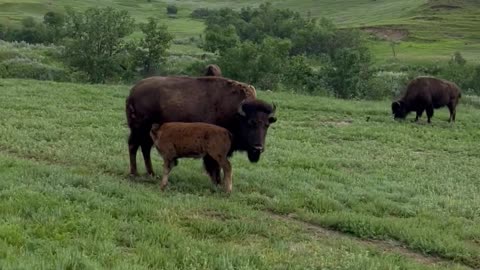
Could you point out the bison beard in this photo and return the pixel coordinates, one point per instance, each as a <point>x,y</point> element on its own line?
<point>254,155</point>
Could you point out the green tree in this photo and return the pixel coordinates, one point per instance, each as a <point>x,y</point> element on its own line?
<point>220,39</point>
<point>150,52</point>
<point>348,74</point>
<point>54,22</point>
<point>259,64</point>
<point>96,41</point>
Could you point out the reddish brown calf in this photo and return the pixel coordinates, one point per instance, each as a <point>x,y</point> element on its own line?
<point>175,140</point>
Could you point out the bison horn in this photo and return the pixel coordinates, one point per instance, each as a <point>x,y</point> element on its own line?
<point>240,110</point>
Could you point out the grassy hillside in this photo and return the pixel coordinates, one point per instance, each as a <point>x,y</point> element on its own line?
<point>430,30</point>
<point>332,189</point>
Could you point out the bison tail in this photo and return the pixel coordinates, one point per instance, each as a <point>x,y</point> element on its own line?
<point>459,95</point>
<point>131,113</point>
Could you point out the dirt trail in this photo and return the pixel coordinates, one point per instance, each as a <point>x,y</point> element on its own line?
<point>380,245</point>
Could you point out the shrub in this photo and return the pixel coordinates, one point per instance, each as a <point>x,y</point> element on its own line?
<point>172,10</point>
<point>28,69</point>
<point>260,64</point>
<point>201,13</point>
<point>387,84</point>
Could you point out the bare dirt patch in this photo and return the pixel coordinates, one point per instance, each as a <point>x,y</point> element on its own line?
<point>336,123</point>
<point>444,7</point>
<point>380,245</point>
<point>390,34</point>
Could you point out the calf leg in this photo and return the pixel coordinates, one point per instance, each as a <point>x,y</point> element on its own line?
<point>147,144</point>
<point>212,168</point>
<point>227,171</point>
<point>429,113</point>
<point>167,167</point>
<point>133,145</point>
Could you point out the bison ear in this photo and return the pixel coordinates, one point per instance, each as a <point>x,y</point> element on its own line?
<point>272,119</point>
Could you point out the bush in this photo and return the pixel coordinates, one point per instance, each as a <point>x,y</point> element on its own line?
<point>260,64</point>
<point>28,69</point>
<point>172,10</point>
<point>200,13</point>
<point>387,84</point>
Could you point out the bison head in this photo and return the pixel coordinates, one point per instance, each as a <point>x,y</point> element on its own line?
<point>255,118</point>
<point>399,110</point>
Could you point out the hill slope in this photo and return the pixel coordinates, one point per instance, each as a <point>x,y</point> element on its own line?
<point>431,30</point>
<point>331,191</point>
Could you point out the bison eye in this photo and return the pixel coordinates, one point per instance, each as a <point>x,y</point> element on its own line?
<point>252,123</point>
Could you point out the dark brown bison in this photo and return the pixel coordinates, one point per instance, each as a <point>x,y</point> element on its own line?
<point>194,140</point>
<point>427,94</point>
<point>215,100</point>
<point>213,70</point>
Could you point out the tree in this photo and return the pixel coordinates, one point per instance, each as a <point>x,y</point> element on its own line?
<point>54,22</point>
<point>349,72</point>
<point>260,64</point>
<point>96,41</point>
<point>220,39</point>
<point>52,18</point>
<point>152,48</point>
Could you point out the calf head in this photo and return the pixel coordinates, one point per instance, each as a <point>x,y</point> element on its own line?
<point>255,118</point>
<point>399,110</point>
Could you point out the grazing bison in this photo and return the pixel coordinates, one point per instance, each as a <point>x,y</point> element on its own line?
<point>195,140</point>
<point>427,93</point>
<point>215,100</point>
<point>213,70</point>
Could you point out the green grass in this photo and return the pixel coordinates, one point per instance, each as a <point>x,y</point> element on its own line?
<point>332,191</point>
<point>434,34</point>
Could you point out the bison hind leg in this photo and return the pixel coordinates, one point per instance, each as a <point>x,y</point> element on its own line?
<point>419,115</point>
<point>429,113</point>
<point>133,145</point>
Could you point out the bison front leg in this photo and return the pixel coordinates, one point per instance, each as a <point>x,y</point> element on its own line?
<point>419,115</point>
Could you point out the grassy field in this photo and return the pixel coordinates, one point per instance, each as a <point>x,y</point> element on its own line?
<point>332,191</point>
<point>434,29</point>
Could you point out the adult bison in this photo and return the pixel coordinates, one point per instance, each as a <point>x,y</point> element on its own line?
<point>427,93</point>
<point>213,70</point>
<point>215,100</point>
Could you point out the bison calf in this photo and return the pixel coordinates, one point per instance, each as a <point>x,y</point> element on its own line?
<point>426,94</point>
<point>175,140</point>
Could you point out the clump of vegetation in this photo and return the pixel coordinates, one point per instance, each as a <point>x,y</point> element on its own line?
<point>252,46</point>
<point>172,10</point>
